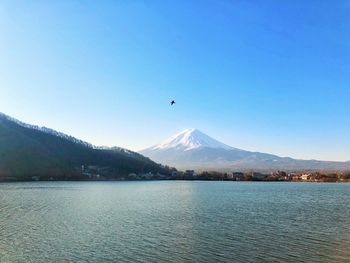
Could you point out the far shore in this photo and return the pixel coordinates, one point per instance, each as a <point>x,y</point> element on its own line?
<point>191,175</point>
<point>153,180</point>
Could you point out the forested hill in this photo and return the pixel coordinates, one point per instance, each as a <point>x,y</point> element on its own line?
<point>28,151</point>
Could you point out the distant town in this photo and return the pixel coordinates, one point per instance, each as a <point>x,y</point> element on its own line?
<point>96,173</point>
<point>274,176</point>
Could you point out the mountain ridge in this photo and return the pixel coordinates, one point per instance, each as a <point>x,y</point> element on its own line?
<point>28,150</point>
<point>219,156</point>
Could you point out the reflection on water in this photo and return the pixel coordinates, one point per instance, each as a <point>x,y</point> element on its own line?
<point>174,222</point>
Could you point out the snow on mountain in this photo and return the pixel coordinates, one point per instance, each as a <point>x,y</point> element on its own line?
<point>190,139</point>
<point>192,149</point>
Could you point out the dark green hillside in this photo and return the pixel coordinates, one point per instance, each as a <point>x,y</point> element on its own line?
<point>27,151</point>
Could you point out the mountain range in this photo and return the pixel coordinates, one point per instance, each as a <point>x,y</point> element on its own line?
<point>27,151</point>
<point>192,149</point>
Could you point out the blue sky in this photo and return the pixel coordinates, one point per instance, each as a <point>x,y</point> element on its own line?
<point>270,76</point>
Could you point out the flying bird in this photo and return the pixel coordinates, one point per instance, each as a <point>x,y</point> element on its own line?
<point>172,102</point>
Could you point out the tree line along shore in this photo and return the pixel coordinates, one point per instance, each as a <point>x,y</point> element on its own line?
<point>95,173</point>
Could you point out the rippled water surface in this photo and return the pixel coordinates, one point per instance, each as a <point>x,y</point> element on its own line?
<point>174,221</point>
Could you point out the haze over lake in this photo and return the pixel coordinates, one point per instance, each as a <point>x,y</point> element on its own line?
<point>174,221</point>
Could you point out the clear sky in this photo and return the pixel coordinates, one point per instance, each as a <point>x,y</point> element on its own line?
<point>270,76</point>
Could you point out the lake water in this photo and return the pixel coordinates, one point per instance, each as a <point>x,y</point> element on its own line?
<point>174,221</point>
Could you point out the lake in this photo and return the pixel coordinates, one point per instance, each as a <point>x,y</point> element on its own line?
<point>174,221</point>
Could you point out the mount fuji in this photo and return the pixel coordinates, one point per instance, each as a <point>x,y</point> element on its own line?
<point>192,149</point>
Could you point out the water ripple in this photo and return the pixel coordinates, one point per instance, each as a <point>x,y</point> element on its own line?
<point>174,222</point>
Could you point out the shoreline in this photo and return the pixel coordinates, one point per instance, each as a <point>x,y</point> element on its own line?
<point>191,180</point>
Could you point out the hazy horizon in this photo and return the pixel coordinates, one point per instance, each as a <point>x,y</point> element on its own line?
<point>271,77</point>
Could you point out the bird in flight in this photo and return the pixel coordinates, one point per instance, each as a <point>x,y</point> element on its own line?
<point>172,102</point>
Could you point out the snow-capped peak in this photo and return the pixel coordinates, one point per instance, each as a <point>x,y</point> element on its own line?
<point>190,139</point>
